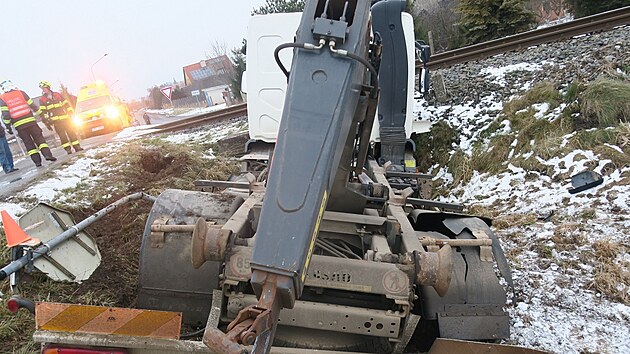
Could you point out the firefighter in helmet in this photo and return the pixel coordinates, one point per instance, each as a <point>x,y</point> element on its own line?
<point>19,111</point>
<point>57,110</point>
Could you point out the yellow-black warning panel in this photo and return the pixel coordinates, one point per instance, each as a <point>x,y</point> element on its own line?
<point>107,320</point>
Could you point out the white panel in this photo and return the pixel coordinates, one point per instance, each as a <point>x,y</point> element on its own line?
<point>266,84</point>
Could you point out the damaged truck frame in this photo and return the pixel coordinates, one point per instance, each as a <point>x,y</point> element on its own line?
<point>326,246</point>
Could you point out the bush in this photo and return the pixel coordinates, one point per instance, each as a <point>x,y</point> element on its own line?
<point>434,147</point>
<point>581,8</point>
<point>544,92</point>
<point>484,20</point>
<point>605,103</point>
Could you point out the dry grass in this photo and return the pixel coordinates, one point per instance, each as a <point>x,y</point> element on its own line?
<point>611,277</point>
<point>605,103</point>
<point>544,92</point>
<point>460,167</point>
<point>514,220</point>
<point>434,147</point>
<point>568,237</point>
<point>612,281</point>
<point>150,166</point>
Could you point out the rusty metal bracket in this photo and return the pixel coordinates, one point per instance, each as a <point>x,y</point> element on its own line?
<point>254,325</point>
<point>157,237</point>
<point>219,342</point>
<point>485,251</point>
<point>249,324</point>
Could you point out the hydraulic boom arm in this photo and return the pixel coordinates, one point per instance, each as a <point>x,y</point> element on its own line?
<point>331,87</point>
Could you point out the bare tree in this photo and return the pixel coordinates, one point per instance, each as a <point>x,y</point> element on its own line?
<point>547,10</point>
<point>439,17</point>
<point>217,49</point>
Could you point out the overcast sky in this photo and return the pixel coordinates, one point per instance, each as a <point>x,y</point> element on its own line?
<point>147,41</point>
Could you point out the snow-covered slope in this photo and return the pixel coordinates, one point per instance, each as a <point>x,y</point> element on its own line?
<point>568,252</point>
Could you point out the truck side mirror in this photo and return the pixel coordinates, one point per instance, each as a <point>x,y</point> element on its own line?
<point>244,82</point>
<point>423,52</point>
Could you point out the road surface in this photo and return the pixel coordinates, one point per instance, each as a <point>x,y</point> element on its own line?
<point>18,180</point>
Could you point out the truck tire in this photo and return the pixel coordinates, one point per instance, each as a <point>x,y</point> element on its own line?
<point>167,279</point>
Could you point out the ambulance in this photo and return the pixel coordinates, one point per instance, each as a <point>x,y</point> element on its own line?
<point>99,112</point>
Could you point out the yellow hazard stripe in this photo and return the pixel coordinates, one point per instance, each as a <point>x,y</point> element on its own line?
<point>311,247</point>
<point>107,320</point>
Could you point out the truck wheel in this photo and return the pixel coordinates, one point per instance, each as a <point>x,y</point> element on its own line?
<point>167,279</point>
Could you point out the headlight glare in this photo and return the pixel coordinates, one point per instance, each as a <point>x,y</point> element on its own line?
<point>77,120</point>
<point>112,112</point>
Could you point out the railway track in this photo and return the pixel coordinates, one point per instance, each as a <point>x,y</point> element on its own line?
<point>202,119</point>
<point>595,23</point>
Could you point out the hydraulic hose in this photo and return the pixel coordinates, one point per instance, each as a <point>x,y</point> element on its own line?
<point>308,46</point>
<point>367,64</point>
<point>72,231</point>
<point>343,53</point>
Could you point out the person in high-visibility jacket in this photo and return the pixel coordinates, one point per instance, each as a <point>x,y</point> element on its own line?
<point>19,111</point>
<point>56,109</point>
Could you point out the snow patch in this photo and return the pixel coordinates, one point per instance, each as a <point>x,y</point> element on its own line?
<point>51,189</point>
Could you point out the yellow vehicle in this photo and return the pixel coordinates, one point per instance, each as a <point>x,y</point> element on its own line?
<point>98,112</point>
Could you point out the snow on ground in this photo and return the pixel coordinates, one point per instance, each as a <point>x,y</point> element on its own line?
<point>188,112</point>
<point>52,189</point>
<point>556,310</point>
<point>216,133</point>
<point>498,74</point>
<point>195,136</point>
<point>134,132</point>
<point>469,118</point>
<point>79,171</point>
<point>556,307</point>
<point>14,210</point>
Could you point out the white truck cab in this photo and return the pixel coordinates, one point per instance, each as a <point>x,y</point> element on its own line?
<point>266,84</point>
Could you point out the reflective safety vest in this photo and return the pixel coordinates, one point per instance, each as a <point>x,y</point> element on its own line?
<point>18,105</point>
<point>56,107</point>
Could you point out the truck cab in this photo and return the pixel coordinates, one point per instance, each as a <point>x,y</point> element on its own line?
<point>98,111</point>
<point>265,85</point>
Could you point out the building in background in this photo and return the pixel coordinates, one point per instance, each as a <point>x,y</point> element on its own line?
<point>209,78</point>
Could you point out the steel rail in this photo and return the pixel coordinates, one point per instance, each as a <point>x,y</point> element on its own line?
<point>595,23</point>
<point>199,120</point>
<point>589,24</point>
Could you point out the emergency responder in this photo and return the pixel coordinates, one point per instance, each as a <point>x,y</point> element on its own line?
<point>17,111</point>
<point>56,109</point>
